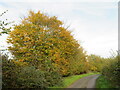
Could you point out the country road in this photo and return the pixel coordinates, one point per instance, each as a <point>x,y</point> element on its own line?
<point>86,82</point>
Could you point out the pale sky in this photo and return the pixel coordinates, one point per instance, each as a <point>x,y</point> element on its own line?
<point>94,23</point>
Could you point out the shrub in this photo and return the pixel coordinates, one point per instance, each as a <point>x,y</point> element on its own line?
<point>112,71</point>
<point>29,77</point>
<point>9,71</point>
<point>16,75</point>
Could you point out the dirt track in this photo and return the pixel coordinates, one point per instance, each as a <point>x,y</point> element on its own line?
<point>86,82</point>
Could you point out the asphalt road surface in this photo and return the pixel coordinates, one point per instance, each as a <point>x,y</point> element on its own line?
<point>85,82</point>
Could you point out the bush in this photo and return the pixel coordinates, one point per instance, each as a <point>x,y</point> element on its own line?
<point>112,71</point>
<point>8,72</point>
<point>29,77</point>
<point>26,76</point>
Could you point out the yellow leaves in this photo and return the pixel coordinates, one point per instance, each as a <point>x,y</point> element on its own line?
<point>41,37</point>
<point>93,68</point>
<point>56,55</point>
<point>26,39</point>
<point>28,54</point>
<point>16,62</point>
<point>56,65</point>
<point>21,60</point>
<point>64,71</point>
<point>22,49</point>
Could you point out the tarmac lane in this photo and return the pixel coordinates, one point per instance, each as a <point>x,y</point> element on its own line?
<point>85,82</point>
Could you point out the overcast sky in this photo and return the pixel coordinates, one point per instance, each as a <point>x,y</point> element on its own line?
<point>94,23</point>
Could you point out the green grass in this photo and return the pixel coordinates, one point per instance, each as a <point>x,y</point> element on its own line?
<point>67,81</point>
<point>70,80</point>
<point>102,82</point>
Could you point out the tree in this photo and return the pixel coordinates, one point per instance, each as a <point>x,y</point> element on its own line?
<point>79,63</point>
<point>96,62</point>
<point>41,39</point>
<point>4,28</point>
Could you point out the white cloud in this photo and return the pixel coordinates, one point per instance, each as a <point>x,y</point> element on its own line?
<point>97,38</point>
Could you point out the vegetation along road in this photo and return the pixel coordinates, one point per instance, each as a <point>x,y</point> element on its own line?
<point>86,82</point>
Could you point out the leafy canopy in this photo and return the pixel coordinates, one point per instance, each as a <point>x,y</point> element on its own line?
<point>40,39</point>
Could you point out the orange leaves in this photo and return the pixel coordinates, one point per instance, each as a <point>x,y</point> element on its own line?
<point>41,38</point>
<point>21,60</point>
<point>56,54</point>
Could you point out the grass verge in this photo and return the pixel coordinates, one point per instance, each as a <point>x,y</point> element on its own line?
<point>67,81</point>
<point>102,82</point>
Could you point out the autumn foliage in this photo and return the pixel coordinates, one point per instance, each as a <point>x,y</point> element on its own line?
<point>40,39</point>
<point>96,63</point>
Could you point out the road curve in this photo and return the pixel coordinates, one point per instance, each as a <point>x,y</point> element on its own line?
<point>85,82</point>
